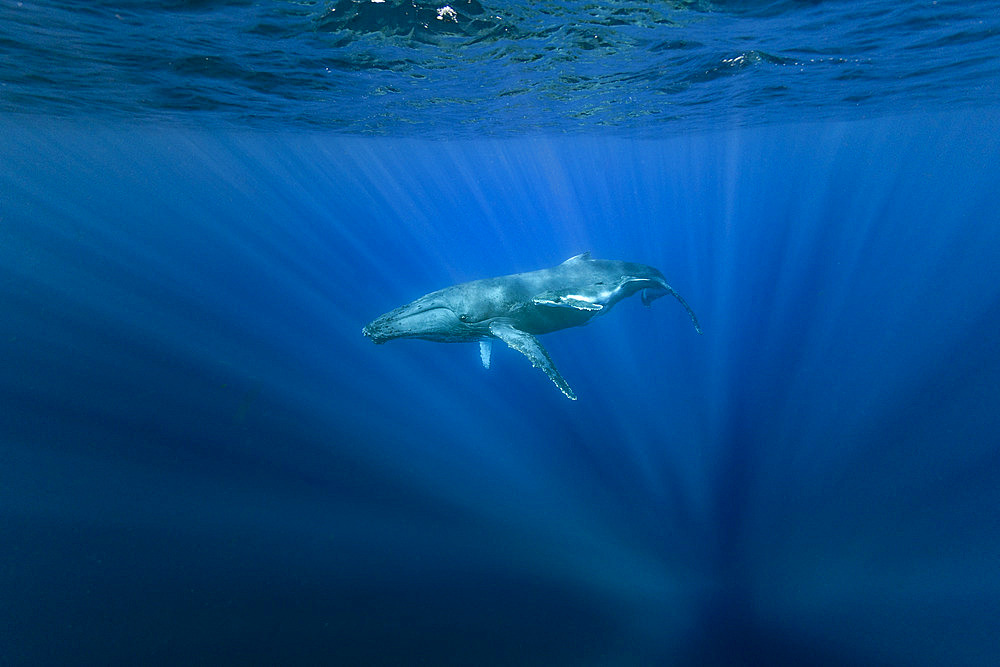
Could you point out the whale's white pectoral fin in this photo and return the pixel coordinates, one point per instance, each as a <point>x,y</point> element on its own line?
<point>529,346</point>
<point>568,299</point>
<point>662,289</point>
<point>485,348</point>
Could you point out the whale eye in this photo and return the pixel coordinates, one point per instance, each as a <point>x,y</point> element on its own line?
<point>463,317</point>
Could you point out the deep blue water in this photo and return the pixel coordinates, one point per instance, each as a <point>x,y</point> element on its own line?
<point>203,461</point>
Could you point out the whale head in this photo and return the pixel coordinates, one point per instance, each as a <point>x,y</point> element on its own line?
<point>432,317</point>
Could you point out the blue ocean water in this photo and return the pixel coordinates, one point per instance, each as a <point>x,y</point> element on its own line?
<point>202,460</point>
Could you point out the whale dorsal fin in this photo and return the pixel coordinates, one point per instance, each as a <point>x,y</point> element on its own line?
<point>578,258</point>
<point>529,346</point>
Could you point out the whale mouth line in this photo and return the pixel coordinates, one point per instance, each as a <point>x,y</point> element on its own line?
<point>422,321</point>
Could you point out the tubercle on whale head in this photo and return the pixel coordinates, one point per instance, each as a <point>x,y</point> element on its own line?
<point>375,338</point>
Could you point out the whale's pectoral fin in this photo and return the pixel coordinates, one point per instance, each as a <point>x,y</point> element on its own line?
<point>662,289</point>
<point>578,299</point>
<point>485,348</point>
<point>529,346</point>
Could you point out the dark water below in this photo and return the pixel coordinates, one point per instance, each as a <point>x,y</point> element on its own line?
<point>203,461</point>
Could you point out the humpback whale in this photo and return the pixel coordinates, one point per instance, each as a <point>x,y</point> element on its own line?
<point>518,307</point>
